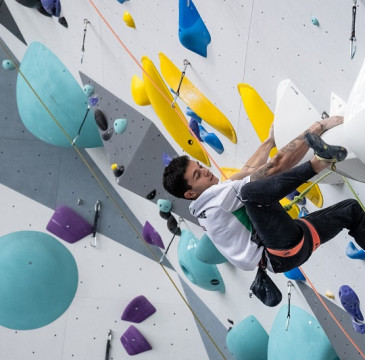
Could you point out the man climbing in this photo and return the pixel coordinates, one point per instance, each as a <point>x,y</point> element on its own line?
<point>243,216</point>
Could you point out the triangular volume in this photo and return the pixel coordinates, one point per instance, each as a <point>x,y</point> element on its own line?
<point>134,342</point>
<point>138,310</point>
<point>7,20</point>
<point>151,236</point>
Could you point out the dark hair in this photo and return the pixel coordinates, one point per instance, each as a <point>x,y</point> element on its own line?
<point>173,177</point>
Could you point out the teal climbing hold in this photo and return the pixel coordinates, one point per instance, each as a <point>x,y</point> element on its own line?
<point>207,252</point>
<point>88,90</point>
<point>315,21</point>
<point>203,275</point>
<point>164,205</point>
<point>38,282</point>
<point>120,125</point>
<point>304,339</point>
<point>8,65</point>
<point>62,96</point>
<point>248,340</point>
<point>193,34</point>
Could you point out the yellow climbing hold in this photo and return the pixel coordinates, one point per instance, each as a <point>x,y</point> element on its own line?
<point>330,294</point>
<point>139,93</point>
<point>127,17</point>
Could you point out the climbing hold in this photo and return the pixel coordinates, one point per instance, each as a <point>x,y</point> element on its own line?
<point>28,3</point>
<point>88,90</point>
<point>295,193</point>
<point>164,205</point>
<point>93,100</point>
<point>303,212</point>
<point>330,294</point>
<point>139,93</point>
<point>165,215</point>
<point>133,341</point>
<point>193,33</point>
<point>117,170</point>
<point>248,340</point>
<point>207,252</point>
<point>193,124</point>
<point>53,7</point>
<point>350,302</point>
<point>353,253</point>
<point>204,275</point>
<point>295,274</point>
<point>138,309</point>
<point>128,19</point>
<point>108,134</point>
<point>173,226</point>
<point>166,158</point>
<point>101,120</point>
<point>40,283</point>
<point>8,64</point>
<point>211,139</point>
<point>68,225</point>
<point>62,20</point>
<point>121,1</point>
<point>315,21</point>
<point>120,125</point>
<point>42,10</point>
<point>151,236</point>
<point>193,115</point>
<point>151,195</point>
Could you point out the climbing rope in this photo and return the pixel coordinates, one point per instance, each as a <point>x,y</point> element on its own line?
<point>115,202</point>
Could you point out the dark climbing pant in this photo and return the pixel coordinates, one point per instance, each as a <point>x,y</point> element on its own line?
<point>277,230</point>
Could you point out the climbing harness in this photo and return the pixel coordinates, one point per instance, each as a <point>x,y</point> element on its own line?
<point>352,36</point>
<point>96,218</point>
<point>173,237</point>
<point>290,285</point>
<point>86,22</point>
<point>177,92</point>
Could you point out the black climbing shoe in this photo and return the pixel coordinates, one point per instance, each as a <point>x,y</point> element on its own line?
<point>323,151</point>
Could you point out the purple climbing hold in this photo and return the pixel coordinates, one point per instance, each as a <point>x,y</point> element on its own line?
<point>138,309</point>
<point>193,124</point>
<point>151,236</point>
<point>53,7</point>
<point>68,225</point>
<point>166,158</point>
<point>134,342</point>
<point>350,302</point>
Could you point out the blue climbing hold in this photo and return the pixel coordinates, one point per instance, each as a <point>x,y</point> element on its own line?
<point>303,212</point>
<point>350,302</point>
<point>166,159</point>
<point>248,340</point>
<point>122,1</point>
<point>120,125</point>
<point>207,252</point>
<point>353,253</point>
<point>193,33</point>
<point>193,115</point>
<point>203,275</point>
<point>295,274</point>
<point>53,7</point>
<point>194,126</point>
<point>211,139</point>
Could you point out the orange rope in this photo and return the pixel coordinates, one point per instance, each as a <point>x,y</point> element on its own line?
<point>153,82</point>
<point>333,317</point>
<point>183,118</point>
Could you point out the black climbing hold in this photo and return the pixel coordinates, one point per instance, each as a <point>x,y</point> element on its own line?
<point>173,226</point>
<point>63,21</point>
<point>151,195</point>
<point>165,215</point>
<point>101,120</point>
<point>118,171</point>
<point>42,10</point>
<point>107,135</point>
<point>214,282</point>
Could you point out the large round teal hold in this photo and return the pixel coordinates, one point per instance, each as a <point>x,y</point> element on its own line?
<point>88,90</point>
<point>8,64</point>
<point>120,125</point>
<point>38,279</point>
<point>248,340</point>
<point>60,94</point>
<point>207,252</point>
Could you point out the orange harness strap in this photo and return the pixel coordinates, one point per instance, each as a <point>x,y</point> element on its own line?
<point>293,251</point>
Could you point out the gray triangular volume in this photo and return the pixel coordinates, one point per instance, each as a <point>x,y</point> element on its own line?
<point>342,346</point>
<point>7,20</point>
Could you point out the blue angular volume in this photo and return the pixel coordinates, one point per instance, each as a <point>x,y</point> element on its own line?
<point>193,34</point>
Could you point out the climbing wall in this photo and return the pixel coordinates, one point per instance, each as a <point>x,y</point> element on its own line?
<point>256,42</point>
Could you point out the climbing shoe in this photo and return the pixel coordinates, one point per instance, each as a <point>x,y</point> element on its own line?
<point>323,151</point>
